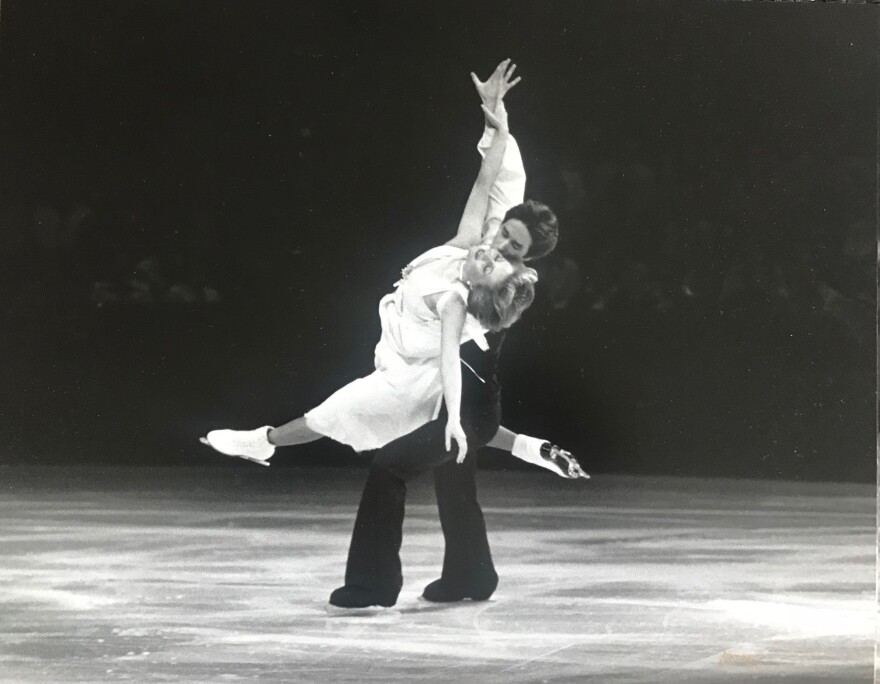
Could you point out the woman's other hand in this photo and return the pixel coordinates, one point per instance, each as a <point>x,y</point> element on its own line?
<point>455,431</point>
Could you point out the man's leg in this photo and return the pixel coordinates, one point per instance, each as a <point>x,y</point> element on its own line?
<point>468,570</point>
<point>373,573</point>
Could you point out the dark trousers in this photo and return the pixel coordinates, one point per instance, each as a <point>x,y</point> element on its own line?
<point>374,553</point>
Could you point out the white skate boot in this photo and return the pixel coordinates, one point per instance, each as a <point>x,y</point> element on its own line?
<point>251,445</point>
<point>565,463</point>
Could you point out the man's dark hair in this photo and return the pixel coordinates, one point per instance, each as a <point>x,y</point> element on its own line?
<point>542,224</point>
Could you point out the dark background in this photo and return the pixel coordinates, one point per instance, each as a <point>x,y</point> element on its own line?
<point>202,203</point>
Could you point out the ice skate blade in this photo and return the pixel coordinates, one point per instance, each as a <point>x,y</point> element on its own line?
<point>255,460</point>
<point>367,611</point>
<point>426,605</point>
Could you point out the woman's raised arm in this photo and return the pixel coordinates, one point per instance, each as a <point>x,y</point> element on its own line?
<point>470,228</point>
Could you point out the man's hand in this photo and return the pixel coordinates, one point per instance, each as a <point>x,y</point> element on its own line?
<point>497,85</point>
<point>455,431</point>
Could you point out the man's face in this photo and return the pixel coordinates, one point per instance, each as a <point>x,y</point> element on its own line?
<point>513,239</point>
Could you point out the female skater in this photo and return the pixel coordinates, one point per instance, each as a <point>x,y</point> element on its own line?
<point>447,296</point>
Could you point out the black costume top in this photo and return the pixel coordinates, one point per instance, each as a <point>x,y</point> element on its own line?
<point>481,365</point>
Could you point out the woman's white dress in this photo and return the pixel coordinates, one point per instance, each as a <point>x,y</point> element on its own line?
<point>406,390</point>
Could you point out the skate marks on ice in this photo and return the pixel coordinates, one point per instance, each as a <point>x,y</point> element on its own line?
<point>219,575</point>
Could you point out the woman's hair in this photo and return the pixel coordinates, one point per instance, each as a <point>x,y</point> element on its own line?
<point>499,306</point>
<point>542,224</point>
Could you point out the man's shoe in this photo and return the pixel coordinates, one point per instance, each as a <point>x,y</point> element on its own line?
<point>359,597</point>
<point>439,591</point>
<point>251,445</point>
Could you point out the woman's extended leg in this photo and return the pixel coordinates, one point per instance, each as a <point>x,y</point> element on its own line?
<point>503,439</point>
<point>294,432</point>
<point>259,445</point>
<point>538,452</point>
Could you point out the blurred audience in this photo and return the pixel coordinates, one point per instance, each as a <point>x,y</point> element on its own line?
<point>657,234</point>
<point>648,232</point>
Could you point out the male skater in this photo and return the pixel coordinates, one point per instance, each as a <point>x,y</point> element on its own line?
<point>373,573</point>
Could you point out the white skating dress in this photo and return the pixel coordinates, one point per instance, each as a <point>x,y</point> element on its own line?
<point>406,390</point>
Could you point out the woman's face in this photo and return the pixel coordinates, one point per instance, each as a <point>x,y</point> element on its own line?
<point>485,266</point>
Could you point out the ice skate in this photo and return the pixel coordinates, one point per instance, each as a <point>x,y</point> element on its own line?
<point>358,599</point>
<point>251,445</point>
<point>563,461</point>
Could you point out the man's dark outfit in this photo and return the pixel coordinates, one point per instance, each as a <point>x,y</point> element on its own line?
<point>373,573</point>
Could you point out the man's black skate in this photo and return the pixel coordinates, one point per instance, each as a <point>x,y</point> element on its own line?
<point>350,597</point>
<point>439,591</point>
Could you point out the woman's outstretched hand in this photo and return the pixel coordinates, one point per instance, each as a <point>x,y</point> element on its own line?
<point>497,85</point>
<point>455,431</point>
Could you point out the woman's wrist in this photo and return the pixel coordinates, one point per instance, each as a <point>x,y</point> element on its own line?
<point>502,130</point>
